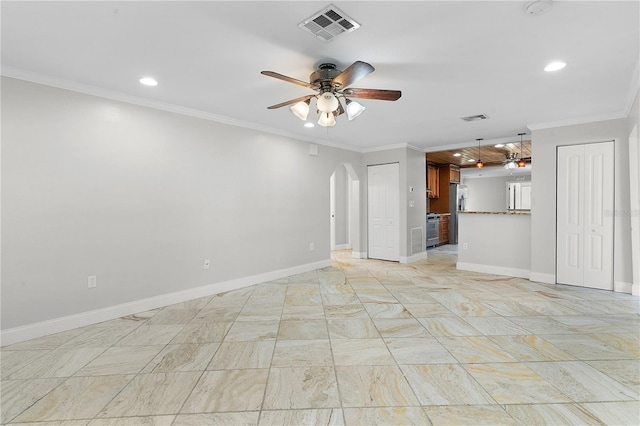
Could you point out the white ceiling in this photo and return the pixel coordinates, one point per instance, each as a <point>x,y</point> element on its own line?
<point>450,59</point>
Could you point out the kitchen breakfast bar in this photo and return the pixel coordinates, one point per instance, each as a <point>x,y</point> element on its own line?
<point>495,242</point>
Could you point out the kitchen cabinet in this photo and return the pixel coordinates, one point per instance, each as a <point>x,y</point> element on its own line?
<point>444,229</point>
<point>454,173</point>
<point>433,181</point>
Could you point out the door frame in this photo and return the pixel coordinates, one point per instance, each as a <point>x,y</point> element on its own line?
<point>395,258</point>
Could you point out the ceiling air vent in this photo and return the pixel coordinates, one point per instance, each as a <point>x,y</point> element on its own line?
<point>329,23</point>
<point>475,117</point>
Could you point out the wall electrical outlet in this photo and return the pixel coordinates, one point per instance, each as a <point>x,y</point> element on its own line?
<point>207,262</point>
<point>312,246</point>
<point>92,281</point>
<point>465,246</point>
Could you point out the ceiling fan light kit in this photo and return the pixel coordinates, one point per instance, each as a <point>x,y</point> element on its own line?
<point>333,84</point>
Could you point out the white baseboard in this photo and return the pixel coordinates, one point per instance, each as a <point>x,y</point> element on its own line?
<point>542,278</point>
<point>359,254</point>
<point>413,258</point>
<point>491,269</point>
<point>622,287</point>
<point>69,322</point>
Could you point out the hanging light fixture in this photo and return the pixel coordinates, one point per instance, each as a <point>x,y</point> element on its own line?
<point>479,163</point>
<point>521,162</point>
<point>353,109</point>
<point>511,162</point>
<point>327,119</point>
<point>301,109</point>
<point>327,102</point>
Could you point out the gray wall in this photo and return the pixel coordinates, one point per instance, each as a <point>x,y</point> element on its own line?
<point>140,197</point>
<point>489,194</point>
<point>543,192</point>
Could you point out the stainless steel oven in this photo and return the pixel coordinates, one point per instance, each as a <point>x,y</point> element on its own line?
<point>433,229</point>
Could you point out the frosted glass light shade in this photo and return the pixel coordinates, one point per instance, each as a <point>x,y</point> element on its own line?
<point>300,110</point>
<point>327,119</point>
<point>510,165</point>
<point>327,102</point>
<point>354,109</point>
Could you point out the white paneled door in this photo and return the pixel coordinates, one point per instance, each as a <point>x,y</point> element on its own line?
<point>384,211</point>
<point>584,221</point>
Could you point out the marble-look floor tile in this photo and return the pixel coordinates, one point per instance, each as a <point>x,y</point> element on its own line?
<point>238,355</point>
<point>63,362</point>
<point>448,326</point>
<point>53,423</point>
<point>152,394</point>
<point>227,390</point>
<point>426,310</point>
<point>445,384</point>
<point>387,310</point>
<point>509,308</point>
<point>531,348</point>
<point>615,413</point>
<point>302,353</point>
<point>587,347</point>
<point>401,327</point>
<point>322,416</point>
<point>581,382</point>
<point>345,311</point>
<point>469,309</point>
<point>515,383</point>
<point>374,386</point>
<point>303,313</point>
<point>299,330</point>
<point>247,418</point>
<point>625,371</point>
<point>489,415</point>
<point>368,296</point>
<point>303,300</point>
<point>475,349</point>
<point>13,361</point>
<point>217,314</point>
<point>340,299</point>
<point>540,325</point>
<point>244,331</point>
<point>549,308</point>
<point>260,313</point>
<point>426,350</point>
<point>198,332</point>
<point>361,352</point>
<point>148,335</point>
<point>52,341</point>
<point>628,343</point>
<point>18,395</point>
<point>352,329</point>
<point>120,360</point>
<point>184,357</point>
<point>495,326</point>
<point>416,296</point>
<point>551,414</point>
<point>134,421</point>
<point>100,336</point>
<point>301,387</point>
<point>385,416</point>
<point>76,398</point>
<point>173,316</point>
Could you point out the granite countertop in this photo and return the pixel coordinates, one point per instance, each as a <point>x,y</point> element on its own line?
<point>514,212</point>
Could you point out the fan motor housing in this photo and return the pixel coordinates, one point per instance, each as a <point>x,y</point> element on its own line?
<point>323,75</point>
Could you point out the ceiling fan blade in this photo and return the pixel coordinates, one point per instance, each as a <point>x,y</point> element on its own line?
<point>379,94</point>
<point>290,102</point>
<point>288,79</point>
<point>355,72</point>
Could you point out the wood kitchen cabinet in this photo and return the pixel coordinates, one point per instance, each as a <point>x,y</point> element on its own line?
<point>444,229</point>
<point>433,181</point>
<point>454,173</point>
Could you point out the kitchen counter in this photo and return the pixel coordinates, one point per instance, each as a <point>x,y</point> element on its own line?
<point>514,212</point>
<point>495,242</point>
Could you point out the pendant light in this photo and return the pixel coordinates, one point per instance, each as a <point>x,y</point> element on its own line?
<point>479,163</point>
<point>521,162</point>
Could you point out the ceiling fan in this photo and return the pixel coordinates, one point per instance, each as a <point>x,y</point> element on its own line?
<point>512,161</point>
<point>331,85</point>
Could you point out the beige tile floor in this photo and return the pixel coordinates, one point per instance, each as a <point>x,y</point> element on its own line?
<point>361,343</point>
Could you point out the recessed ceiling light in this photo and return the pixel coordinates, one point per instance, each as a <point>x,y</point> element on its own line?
<point>457,154</point>
<point>309,125</point>
<point>499,145</point>
<point>471,160</point>
<point>148,81</point>
<point>555,66</point>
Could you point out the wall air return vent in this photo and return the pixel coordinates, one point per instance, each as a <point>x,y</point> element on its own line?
<point>475,117</point>
<point>329,23</point>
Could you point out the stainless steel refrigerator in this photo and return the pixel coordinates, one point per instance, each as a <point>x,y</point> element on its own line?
<point>457,202</point>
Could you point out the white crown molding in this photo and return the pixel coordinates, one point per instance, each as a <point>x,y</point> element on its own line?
<point>575,121</point>
<point>389,147</point>
<point>87,89</point>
